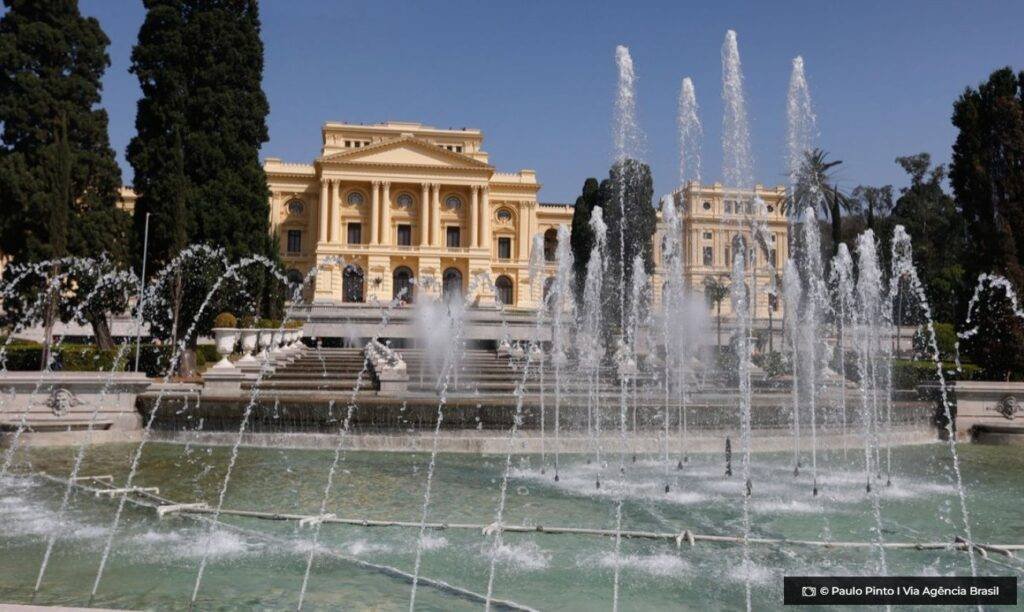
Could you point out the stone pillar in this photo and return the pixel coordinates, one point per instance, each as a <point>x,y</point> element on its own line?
<point>385,214</point>
<point>524,231</point>
<point>323,231</point>
<point>374,211</point>
<point>335,212</point>
<point>424,214</point>
<point>474,218</point>
<point>485,220</point>
<point>435,214</point>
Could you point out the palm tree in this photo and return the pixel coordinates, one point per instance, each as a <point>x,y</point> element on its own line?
<point>816,188</point>
<point>715,291</point>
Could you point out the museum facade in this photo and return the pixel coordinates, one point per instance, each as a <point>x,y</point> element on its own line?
<point>404,210</point>
<point>384,204</point>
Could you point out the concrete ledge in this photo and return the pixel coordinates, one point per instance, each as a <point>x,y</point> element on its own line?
<point>527,443</point>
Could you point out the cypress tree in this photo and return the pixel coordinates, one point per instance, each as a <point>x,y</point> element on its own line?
<point>200,66</point>
<point>987,174</point>
<point>57,170</point>
<point>581,238</point>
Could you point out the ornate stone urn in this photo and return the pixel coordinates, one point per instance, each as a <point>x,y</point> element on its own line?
<point>265,339</point>
<point>247,338</point>
<point>226,338</point>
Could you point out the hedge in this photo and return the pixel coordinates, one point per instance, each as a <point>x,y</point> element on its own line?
<point>908,374</point>
<point>153,359</point>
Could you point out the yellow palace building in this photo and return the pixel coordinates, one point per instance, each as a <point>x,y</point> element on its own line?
<point>398,201</point>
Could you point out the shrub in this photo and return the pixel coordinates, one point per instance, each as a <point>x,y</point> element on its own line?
<point>908,374</point>
<point>27,356</point>
<point>945,339</point>
<point>247,322</point>
<point>293,324</point>
<point>267,324</point>
<point>225,319</point>
<point>206,353</point>
<point>773,364</point>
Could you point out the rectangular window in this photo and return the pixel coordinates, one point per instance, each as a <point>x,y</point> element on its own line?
<point>504,248</point>
<point>453,238</point>
<point>709,256</point>
<point>707,235</point>
<point>294,241</point>
<point>728,207</point>
<point>404,235</point>
<point>728,259</point>
<point>355,233</point>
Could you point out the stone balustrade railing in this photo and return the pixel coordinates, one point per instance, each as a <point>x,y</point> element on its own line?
<point>388,366</point>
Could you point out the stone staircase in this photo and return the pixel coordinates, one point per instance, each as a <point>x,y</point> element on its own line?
<point>328,370</point>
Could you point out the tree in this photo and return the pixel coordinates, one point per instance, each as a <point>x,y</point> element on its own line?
<point>933,220</point>
<point>630,189</point>
<point>987,175</point>
<point>816,188</point>
<point>581,238</point>
<point>715,291</point>
<point>200,123</point>
<point>872,202</point>
<point>57,170</point>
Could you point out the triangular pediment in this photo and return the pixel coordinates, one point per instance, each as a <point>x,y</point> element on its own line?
<point>405,151</point>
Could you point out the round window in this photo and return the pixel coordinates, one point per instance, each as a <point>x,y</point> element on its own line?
<point>404,201</point>
<point>295,207</point>
<point>354,198</point>
<point>771,209</point>
<point>504,215</point>
<point>453,202</point>
<point>707,205</point>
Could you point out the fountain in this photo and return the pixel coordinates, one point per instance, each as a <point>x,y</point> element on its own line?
<point>573,460</point>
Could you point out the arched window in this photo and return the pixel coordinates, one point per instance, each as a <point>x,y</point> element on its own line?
<point>503,290</point>
<point>452,284</point>
<point>295,207</point>
<point>294,280</point>
<point>550,244</point>
<point>401,283</point>
<point>352,284</point>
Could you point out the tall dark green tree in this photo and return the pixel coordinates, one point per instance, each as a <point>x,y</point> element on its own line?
<point>933,221</point>
<point>987,174</point>
<point>631,190</point>
<point>58,176</point>
<point>581,238</point>
<point>200,123</point>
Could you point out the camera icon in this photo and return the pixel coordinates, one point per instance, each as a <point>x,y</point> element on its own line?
<point>808,591</point>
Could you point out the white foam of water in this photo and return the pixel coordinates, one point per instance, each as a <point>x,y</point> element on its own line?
<point>364,547</point>
<point>433,542</point>
<point>750,572</point>
<point>792,506</point>
<point>662,565</point>
<point>192,544</point>
<point>525,556</point>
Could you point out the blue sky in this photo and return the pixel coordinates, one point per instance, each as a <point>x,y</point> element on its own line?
<point>539,77</point>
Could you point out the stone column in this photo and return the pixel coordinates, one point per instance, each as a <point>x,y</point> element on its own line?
<point>485,220</point>
<point>435,214</point>
<point>524,231</point>
<point>335,213</point>
<point>323,231</point>
<point>374,211</point>
<point>385,214</point>
<point>424,214</point>
<point>474,218</point>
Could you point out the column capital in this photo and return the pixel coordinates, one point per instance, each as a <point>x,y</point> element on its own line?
<point>375,184</point>
<point>385,184</point>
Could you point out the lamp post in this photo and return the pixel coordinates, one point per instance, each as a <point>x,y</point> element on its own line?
<point>142,292</point>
